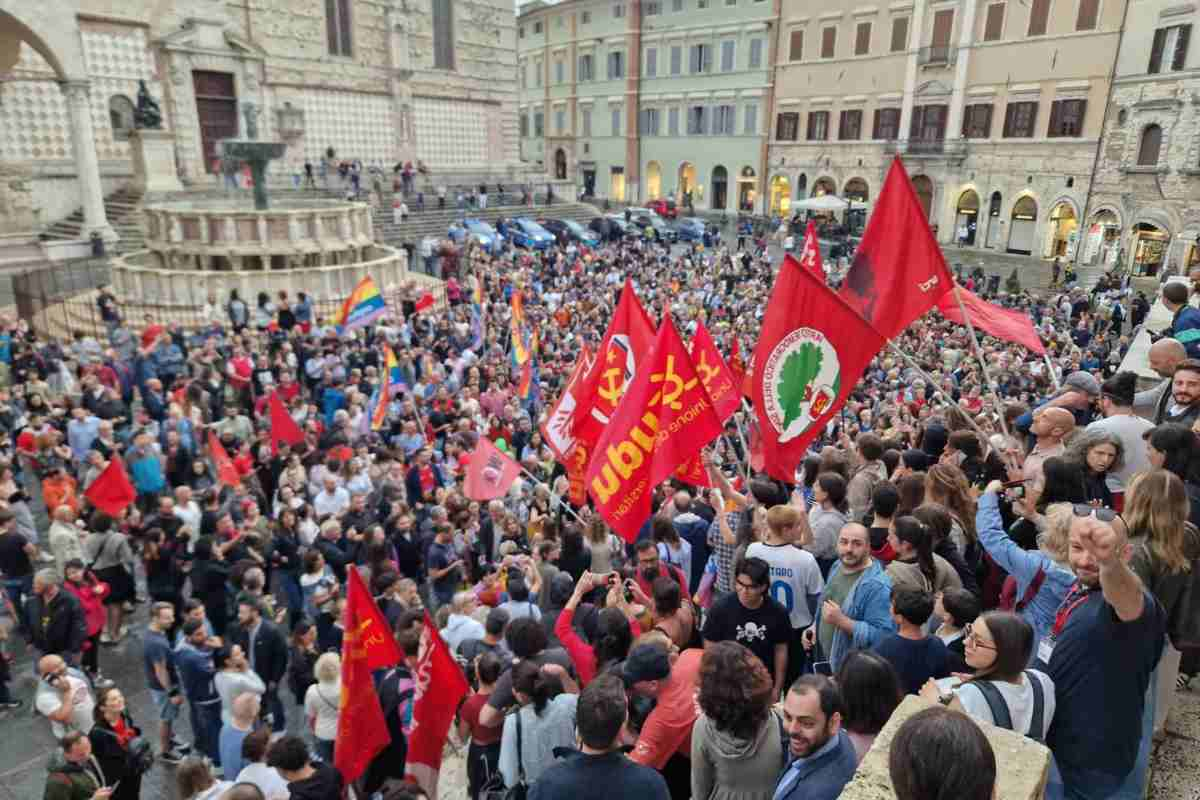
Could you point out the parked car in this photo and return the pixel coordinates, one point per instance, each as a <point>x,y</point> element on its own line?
<point>665,208</point>
<point>612,227</point>
<point>476,229</point>
<point>644,218</point>
<point>690,229</point>
<point>574,232</point>
<point>527,233</point>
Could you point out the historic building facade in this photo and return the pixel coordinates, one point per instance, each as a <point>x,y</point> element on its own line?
<point>635,100</point>
<point>1144,216</point>
<point>379,81</point>
<point>995,106</point>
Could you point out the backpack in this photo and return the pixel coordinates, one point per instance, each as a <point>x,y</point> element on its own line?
<point>999,707</point>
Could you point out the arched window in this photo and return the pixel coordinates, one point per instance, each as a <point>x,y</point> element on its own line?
<point>560,165</point>
<point>1149,148</point>
<point>120,116</point>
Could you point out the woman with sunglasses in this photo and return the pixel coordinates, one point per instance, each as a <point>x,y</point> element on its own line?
<point>1043,576</point>
<point>998,647</point>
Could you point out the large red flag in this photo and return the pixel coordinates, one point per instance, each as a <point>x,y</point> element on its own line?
<point>898,272</point>
<point>1003,323</point>
<point>557,429</point>
<point>663,421</point>
<point>112,491</point>
<point>283,427</point>
<point>226,472</point>
<point>715,374</point>
<point>367,645</point>
<point>441,685</point>
<point>812,351</point>
<point>625,344</point>
<point>489,472</point>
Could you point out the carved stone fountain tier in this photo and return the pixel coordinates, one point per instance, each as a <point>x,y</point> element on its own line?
<point>256,154</point>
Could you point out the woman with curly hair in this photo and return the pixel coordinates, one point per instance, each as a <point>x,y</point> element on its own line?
<point>1100,453</point>
<point>737,744</point>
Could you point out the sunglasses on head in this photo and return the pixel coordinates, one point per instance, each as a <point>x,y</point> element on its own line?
<point>1102,514</point>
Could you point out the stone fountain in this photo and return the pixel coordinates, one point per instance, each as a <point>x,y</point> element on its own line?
<point>255,153</point>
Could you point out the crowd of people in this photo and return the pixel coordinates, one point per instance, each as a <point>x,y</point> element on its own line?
<point>1014,546</point>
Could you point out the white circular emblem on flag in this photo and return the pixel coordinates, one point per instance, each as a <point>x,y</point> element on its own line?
<point>801,381</point>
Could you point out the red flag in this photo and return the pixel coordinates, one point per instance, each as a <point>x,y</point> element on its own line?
<point>425,302</point>
<point>367,645</point>
<point>1003,323</point>
<point>283,427</point>
<point>625,343</point>
<point>577,464</point>
<point>898,272</point>
<point>112,492</point>
<point>812,351</point>
<point>226,472</point>
<point>664,419</point>
<point>489,472</point>
<point>810,252</point>
<point>441,685</point>
<point>557,429</point>
<point>714,374</point>
<point>737,364</point>
<point>758,458</point>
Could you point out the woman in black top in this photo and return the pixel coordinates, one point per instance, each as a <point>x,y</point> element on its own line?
<point>1100,453</point>
<point>209,576</point>
<point>285,557</point>
<point>302,658</point>
<point>111,737</point>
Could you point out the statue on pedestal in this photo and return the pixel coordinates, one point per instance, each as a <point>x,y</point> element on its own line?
<point>147,115</point>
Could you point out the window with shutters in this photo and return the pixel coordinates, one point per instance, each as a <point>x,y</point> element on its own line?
<point>618,11</point>
<point>585,121</point>
<point>977,121</point>
<point>701,4</point>
<point>1085,19</point>
<point>538,69</point>
<point>1066,118</point>
<point>651,62</point>
<point>700,58</point>
<point>796,45</point>
<point>521,32</point>
<point>899,34</point>
<point>676,6</point>
<point>616,65</point>
<point>751,126</point>
<point>943,26</point>
<point>616,122</point>
<point>338,28</point>
<point>818,126</point>
<point>756,49</point>
<point>862,39</point>
<point>828,42</point>
<point>537,27</point>
<point>887,124</point>
<point>697,120</point>
<point>673,121</point>
<point>1019,119</point>
<point>993,23</point>
<point>539,124</point>
<point>560,121</point>
<point>929,123</point>
<point>648,123</point>
<point>787,126</point>
<point>652,9</point>
<point>1169,49</point>
<point>850,125</point>
<point>727,55</point>
<point>723,121</point>
<point>587,67</point>
<point>524,121</point>
<point>524,76</point>
<point>676,59</point>
<point>1149,147</point>
<point>560,71</point>
<point>585,18</point>
<point>1039,14</point>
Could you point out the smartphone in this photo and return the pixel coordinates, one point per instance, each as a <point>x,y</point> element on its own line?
<point>1014,484</point>
<point>823,668</point>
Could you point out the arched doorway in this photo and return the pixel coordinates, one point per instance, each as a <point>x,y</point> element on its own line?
<point>923,186</point>
<point>560,164</point>
<point>653,180</point>
<point>824,186</point>
<point>966,217</point>
<point>687,183</point>
<point>995,224</point>
<point>1103,240</point>
<point>1022,226</point>
<point>781,195</point>
<point>856,190</point>
<point>720,187</point>
<point>802,185</point>
<point>1062,234</point>
<point>748,189</point>
<point>1149,248</point>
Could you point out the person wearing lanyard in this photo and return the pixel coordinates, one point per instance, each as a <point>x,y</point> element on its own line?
<point>1105,642</point>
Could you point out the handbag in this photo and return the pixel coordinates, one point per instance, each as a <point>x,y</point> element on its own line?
<point>139,755</point>
<point>495,789</point>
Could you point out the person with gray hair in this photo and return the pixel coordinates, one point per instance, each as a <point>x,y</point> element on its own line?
<point>243,791</point>
<point>461,625</point>
<point>55,618</point>
<point>1100,453</point>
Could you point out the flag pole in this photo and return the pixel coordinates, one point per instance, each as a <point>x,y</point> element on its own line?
<point>563,503</point>
<point>745,448</point>
<point>983,364</point>
<point>1050,371</point>
<point>929,379</point>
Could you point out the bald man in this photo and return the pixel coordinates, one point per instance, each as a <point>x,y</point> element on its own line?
<point>1165,355</point>
<point>63,697</point>
<point>1051,425</point>
<point>233,732</point>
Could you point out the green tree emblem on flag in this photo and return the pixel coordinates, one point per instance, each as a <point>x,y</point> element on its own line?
<point>794,388</point>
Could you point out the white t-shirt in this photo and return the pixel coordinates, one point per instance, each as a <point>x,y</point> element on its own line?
<point>794,576</point>
<point>1019,699</point>
<point>49,699</point>
<point>681,557</point>
<point>265,778</point>
<point>323,700</point>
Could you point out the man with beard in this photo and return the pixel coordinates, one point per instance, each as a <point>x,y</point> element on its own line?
<point>855,609</point>
<point>821,759</point>
<point>1184,404</point>
<point>650,568</point>
<point>1101,653</point>
<point>1164,356</point>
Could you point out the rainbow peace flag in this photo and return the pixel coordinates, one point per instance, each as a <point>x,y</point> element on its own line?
<point>477,292</point>
<point>364,305</point>
<point>395,376</point>
<point>379,407</point>
<point>520,351</point>
<point>529,372</point>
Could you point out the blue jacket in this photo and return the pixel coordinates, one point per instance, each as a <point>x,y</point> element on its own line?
<point>196,673</point>
<point>1023,565</point>
<point>821,776</point>
<point>869,604</point>
<point>1185,327</point>
<point>694,530</point>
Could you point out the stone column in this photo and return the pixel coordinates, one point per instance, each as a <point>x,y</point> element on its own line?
<point>961,65</point>
<point>915,31</point>
<point>83,141</point>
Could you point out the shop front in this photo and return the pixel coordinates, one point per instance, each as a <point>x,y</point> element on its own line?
<point>1148,248</point>
<point>1102,244</point>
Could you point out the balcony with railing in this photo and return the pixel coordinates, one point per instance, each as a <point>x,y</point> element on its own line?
<point>954,150</point>
<point>937,55</point>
